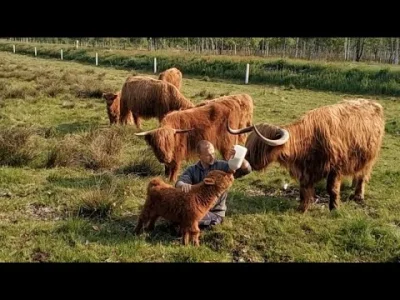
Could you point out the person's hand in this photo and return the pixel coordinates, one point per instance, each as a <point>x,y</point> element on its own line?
<point>232,153</point>
<point>186,187</point>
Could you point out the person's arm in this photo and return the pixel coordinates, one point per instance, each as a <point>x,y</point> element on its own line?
<point>244,169</point>
<point>185,180</point>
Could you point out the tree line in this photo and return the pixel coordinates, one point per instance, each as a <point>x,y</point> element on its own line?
<point>381,50</point>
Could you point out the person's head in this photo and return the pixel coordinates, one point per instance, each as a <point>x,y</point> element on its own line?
<point>206,152</point>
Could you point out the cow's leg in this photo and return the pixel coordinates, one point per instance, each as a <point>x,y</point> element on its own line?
<point>354,182</point>
<point>195,233</point>
<point>358,195</point>
<point>152,222</point>
<point>139,226</point>
<point>143,219</point>
<point>307,193</point>
<point>185,235</point>
<point>175,167</point>
<point>333,189</point>
<point>124,113</point>
<point>315,196</point>
<point>129,120</point>
<point>167,170</point>
<point>360,182</point>
<point>138,121</point>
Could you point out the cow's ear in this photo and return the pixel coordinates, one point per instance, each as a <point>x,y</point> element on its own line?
<point>209,181</point>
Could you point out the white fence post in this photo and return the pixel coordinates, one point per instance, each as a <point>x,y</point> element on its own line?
<point>247,73</point>
<point>77,44</point>
<point>14,48</point>
<point>97,59</point>
<point>35,51</point>
<point>62,54</point>
<point>155,65</point>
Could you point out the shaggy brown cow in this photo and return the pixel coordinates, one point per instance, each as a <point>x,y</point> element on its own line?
<point>330,142</point>
<point>113,107</point>
<point>113,99</point>
<point>186,209</point>
<point>173,76</point>
<point>246,105</point>
<point>148,98</point>
<point>202,123</point>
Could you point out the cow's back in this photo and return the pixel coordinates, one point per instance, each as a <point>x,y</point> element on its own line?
<point>208,123</point>
<point>144,96</point>
<point>346,137</point>
<point>241,109</point>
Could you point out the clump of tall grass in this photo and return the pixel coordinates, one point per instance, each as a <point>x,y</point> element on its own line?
<point>143,163</point>
<point>96,149</point>
<point>100,202</point>
<point>18,145</point>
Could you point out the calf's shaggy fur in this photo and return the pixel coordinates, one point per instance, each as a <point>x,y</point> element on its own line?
<point>186,209</point>
<point>113,108</point>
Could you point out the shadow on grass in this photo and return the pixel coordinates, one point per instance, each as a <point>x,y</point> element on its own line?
<point>79,182</point>
<point>262,198</point>
<point>76,182</point>
<point>241,203</point>
<point>120,229</point>
<point>116,230</point>
<point>76,127</point>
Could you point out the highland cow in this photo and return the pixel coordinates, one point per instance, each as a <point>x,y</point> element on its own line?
<point>329,142</point>
<point>206,122</point>
<point>148,98</point>
<point>245,103</point>
<point>185,209</point>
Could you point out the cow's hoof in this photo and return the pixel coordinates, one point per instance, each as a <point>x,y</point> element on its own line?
<point>357,198</point>
<point>302,209</point>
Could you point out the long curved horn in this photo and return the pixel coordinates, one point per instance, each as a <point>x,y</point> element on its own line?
<point>183,130</point>
<point>282,140</point>
<point>239,131</point>
<point>144,132</point>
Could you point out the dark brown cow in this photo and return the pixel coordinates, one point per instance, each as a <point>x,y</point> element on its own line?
<point>330,142</point>
<point>201,123</point>
<point>148,98</point>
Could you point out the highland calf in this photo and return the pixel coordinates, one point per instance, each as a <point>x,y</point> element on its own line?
<point>113,108</point>
<point>329,142</point>
<point>185,209</point>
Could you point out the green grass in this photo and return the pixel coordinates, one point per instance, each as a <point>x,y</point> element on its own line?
<point>351,77</point>
<point>67,194</point>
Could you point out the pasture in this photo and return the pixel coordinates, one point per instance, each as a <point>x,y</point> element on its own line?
<point>71,186</point>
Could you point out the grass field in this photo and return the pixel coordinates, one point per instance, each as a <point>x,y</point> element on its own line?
<point>71,186</point>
